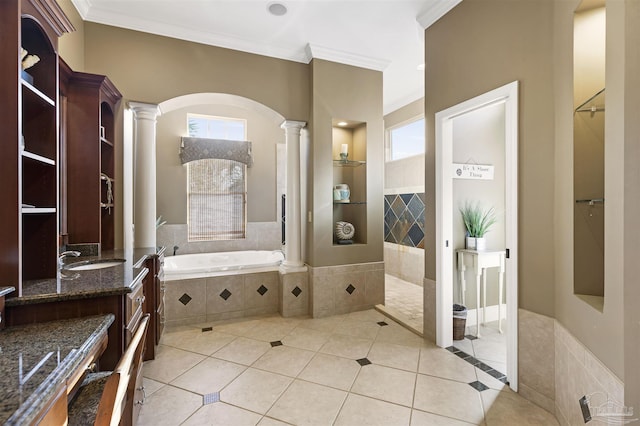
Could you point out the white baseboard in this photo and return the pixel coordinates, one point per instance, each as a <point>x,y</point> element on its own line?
<point>492,314</point>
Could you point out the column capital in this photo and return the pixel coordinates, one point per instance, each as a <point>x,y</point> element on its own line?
<point>291,124</point>
<point>142,110</point>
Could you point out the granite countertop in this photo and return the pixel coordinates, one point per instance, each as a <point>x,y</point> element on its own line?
<point>49,353</point>
<point>85,284</point>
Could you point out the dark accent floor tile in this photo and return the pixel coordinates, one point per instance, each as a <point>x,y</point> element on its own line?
<point>207,329</point>
<point>470,336</point>
<point>479,386</point>
<point>495,374</point>
<point>484,367</point>
<point>453,349</point>
<point>276,343</point>
<point>363,361</point>
<point>382,323</point>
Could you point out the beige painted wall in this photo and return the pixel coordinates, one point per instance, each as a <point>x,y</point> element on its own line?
<point>532,42</point>
<point>631,128</point>
<point>151,68</point>
<point>71,45</point>
<point>171,178</point>
<point>344,92</point>
<point>502,41</point>
<point>408,172</point>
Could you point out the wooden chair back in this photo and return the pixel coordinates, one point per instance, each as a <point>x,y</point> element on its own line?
<point>120,387</point>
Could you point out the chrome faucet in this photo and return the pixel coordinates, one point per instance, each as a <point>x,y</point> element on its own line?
<point>66,254</point>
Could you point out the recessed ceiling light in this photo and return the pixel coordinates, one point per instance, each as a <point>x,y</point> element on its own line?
<point>342,123</point>
<point>421,67</point>
<point>277,9</point>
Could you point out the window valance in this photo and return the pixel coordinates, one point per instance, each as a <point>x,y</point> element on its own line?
<point>192,149</point>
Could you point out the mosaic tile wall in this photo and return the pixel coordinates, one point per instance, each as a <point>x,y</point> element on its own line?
<point>404,219</point>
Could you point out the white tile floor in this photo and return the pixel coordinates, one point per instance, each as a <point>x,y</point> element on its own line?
<point>404,302</point>
<point>302,371</point>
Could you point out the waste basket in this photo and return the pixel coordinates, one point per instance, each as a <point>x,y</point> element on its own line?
<point>459,321</point>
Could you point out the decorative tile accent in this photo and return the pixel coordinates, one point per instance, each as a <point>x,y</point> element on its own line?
<point>184,299</point>
<point>382,323</point>
<point>296,291</point>
<point>276,343</point>
<point>207,329</point>
<point>210,398</point>
<point>479,386</point>
<point>262,290</point>
<point>404,219</point>
<point>225,294</point>
<point>363,361</point>
<point>350,289</point>
<point>470,337</point>
<point>477,363</point>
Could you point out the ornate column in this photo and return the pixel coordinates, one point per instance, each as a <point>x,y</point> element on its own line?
<point>293,230</point>
<point>144,193</point>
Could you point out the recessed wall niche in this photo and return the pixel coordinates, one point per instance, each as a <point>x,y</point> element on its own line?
<point>350,174</point>
<point>588,149</point>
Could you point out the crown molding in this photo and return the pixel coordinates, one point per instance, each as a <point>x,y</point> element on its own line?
<point>313,51</point>
<point>83,7</point>
<point>435,11</point>
<point>100,16</point>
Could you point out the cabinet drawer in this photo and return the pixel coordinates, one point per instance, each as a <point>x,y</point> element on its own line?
<point>133,302</point>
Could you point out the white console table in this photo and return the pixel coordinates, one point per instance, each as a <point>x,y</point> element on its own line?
<point>481,260</point>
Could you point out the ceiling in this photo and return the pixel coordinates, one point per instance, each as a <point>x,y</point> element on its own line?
<point>384,35</point>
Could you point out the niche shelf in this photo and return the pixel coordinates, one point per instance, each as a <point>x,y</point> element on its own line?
<point>354,174</point>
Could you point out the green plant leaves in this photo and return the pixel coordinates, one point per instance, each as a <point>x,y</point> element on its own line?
<point>476,220</point>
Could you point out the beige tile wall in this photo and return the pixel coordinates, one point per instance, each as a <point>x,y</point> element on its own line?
<point>289,304</point>
<point>328,285</point>
<point>536,359</point>
<point>406,263</point>
<point>579,373</point>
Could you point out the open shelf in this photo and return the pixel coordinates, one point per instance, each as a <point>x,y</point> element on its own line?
<point>39,158</point>
<point>348,163</point>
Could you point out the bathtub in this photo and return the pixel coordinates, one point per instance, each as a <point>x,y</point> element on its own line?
<point>215,286</point>
<point>200,265</point>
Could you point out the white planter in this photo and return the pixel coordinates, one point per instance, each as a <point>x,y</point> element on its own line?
<point>481,244</point>
<point>471,243</point>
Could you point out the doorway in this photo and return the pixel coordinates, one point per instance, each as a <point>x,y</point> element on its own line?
<point>501,251</point>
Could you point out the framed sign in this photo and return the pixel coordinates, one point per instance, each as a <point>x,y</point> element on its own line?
<point>472,171</point>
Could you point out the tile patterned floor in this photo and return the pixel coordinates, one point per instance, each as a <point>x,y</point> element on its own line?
<point>403,301</point>
<point>491,348</point>
<point>356,369</point>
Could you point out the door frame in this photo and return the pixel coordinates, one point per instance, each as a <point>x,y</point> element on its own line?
<point>507,95</point>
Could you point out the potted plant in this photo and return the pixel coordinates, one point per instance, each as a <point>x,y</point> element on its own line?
<point>477,222</point>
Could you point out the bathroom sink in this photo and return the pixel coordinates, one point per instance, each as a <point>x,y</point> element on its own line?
<point>94,264</point>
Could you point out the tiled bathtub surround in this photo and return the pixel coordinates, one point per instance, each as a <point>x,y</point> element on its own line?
<point>404,219</point>
<point>346,288</point>
<point>294,294</point>
<point>215,298</point>
<point>406,263</point>
<point>260,236</point>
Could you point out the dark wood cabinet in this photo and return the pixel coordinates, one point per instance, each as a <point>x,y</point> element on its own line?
<point>154,301</point>
<point>89,133</point>
<point>28,165</point>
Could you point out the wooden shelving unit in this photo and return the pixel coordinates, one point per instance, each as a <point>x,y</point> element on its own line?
<point>92,102</point>
<point>29,162</point>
